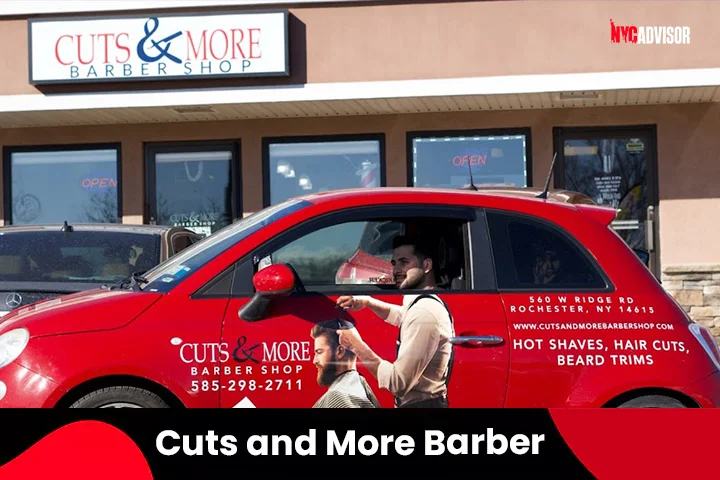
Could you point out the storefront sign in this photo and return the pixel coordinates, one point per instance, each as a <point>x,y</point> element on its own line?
<point>158,47</point>
<point>608,188</point>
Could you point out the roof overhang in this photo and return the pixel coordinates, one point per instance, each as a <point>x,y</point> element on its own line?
<point>521,92</point>
<point>48,7</point>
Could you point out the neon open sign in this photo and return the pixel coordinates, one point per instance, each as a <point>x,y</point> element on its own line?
<point>99,182</point>
<point>471,157</point>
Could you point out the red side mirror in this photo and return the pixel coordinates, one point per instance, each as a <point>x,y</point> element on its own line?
<point>274,280</point>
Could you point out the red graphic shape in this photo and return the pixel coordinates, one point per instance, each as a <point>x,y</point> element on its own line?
<point>81,450</point>
<point>641,443</point>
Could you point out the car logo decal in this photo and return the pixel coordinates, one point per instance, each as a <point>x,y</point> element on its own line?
<point>13,300</point>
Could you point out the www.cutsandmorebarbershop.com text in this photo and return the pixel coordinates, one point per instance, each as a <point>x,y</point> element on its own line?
<point>433,442</point>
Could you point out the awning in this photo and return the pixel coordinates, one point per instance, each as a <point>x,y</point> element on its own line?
<point>522,92</point>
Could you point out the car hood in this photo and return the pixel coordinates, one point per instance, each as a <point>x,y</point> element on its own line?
<point>92,310</point>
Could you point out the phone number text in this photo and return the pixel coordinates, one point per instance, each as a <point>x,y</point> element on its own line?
<point>240,385</point>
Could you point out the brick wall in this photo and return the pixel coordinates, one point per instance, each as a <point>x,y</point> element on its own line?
<point>697,289</point>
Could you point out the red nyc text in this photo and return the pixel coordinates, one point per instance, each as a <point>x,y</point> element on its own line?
<point>644,35</point>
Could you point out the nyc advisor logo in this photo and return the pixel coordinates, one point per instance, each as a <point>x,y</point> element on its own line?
<point>649,35</point>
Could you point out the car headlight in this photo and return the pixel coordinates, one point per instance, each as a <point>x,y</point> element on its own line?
<point>12,345</point>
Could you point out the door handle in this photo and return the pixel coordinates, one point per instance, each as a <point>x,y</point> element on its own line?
<point>476,340</point>
<point>650,229</point>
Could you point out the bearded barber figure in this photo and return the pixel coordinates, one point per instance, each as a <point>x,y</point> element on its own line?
<point>418,378</point>
<point>337,371</point>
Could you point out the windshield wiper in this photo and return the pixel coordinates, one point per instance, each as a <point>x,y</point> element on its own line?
<point>135,281</point>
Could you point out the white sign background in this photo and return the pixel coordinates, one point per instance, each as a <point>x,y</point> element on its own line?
<point>101,50</point>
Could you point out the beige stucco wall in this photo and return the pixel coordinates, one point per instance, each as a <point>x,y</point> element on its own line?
<point>451,39</point>
<point>688,146</point>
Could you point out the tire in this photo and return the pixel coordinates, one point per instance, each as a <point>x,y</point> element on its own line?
<point>653,401</point>
<point>120,397</point>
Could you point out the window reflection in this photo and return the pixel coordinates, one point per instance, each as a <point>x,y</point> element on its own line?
<point>612,171</point>
<point>194,190</point>
<point>447,162</point>
<point>77,186</point>
<point>307,167</point>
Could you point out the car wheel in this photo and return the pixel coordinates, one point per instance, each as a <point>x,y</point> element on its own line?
<point>120,397</point>
<point>652,401</point>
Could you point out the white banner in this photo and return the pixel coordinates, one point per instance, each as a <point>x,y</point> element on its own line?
<point>159,47</point>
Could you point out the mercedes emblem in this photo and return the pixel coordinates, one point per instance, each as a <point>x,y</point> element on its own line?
<point>13,300</point>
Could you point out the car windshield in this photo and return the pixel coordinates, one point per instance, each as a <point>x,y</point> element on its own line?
<point>169,274</point>
<point>42,256</point>
<point>378,237</point>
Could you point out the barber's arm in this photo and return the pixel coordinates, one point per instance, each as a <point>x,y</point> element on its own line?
<point>387,311</point>
<point>416,351</point>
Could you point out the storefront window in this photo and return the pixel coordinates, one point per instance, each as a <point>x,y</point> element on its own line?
<point>193,186</point>
<point>298,167</point>
<point>447,161</point>
<point>77,185</point>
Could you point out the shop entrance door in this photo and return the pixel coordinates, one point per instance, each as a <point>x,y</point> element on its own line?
<point>616,167</point>
<point>195,185</point>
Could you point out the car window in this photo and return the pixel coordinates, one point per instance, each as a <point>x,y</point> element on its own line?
<point>530,254</point>
<point>78,256</point>
<point>170,273</point>
<point>180,241</point>
<point>377,237</point>
<point>359,252</point>
<point>331,256</point>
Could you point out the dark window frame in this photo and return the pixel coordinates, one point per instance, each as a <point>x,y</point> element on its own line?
<point>477,256</point>
<point>504,249</point>
<point>45,148</point>
<point>151,149</point>
<point>330,138</point>
<point>479,132</point>
<point>560,134</point>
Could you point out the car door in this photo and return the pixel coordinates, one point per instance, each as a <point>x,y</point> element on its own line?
<point>555,295</point>
<point>273,357</point>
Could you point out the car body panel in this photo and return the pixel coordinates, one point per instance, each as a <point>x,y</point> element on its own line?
<point>28,389</point>
<point>276,353</point>
<point>112,309</point>
<point>153,350</point>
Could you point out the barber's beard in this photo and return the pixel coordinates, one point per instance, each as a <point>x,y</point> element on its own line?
<point>328,373</point>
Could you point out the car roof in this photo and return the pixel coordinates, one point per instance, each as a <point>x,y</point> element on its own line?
<point>530,194</point>
<point>92,227</point>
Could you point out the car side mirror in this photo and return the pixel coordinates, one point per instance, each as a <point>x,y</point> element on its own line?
<point>643,255</point>
<point>270,282</point>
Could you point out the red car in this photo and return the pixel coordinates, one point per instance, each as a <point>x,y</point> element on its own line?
<point>551,309</point>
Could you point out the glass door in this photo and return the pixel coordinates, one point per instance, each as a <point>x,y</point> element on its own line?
<point>616,167</point>
<point>193,185</point>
